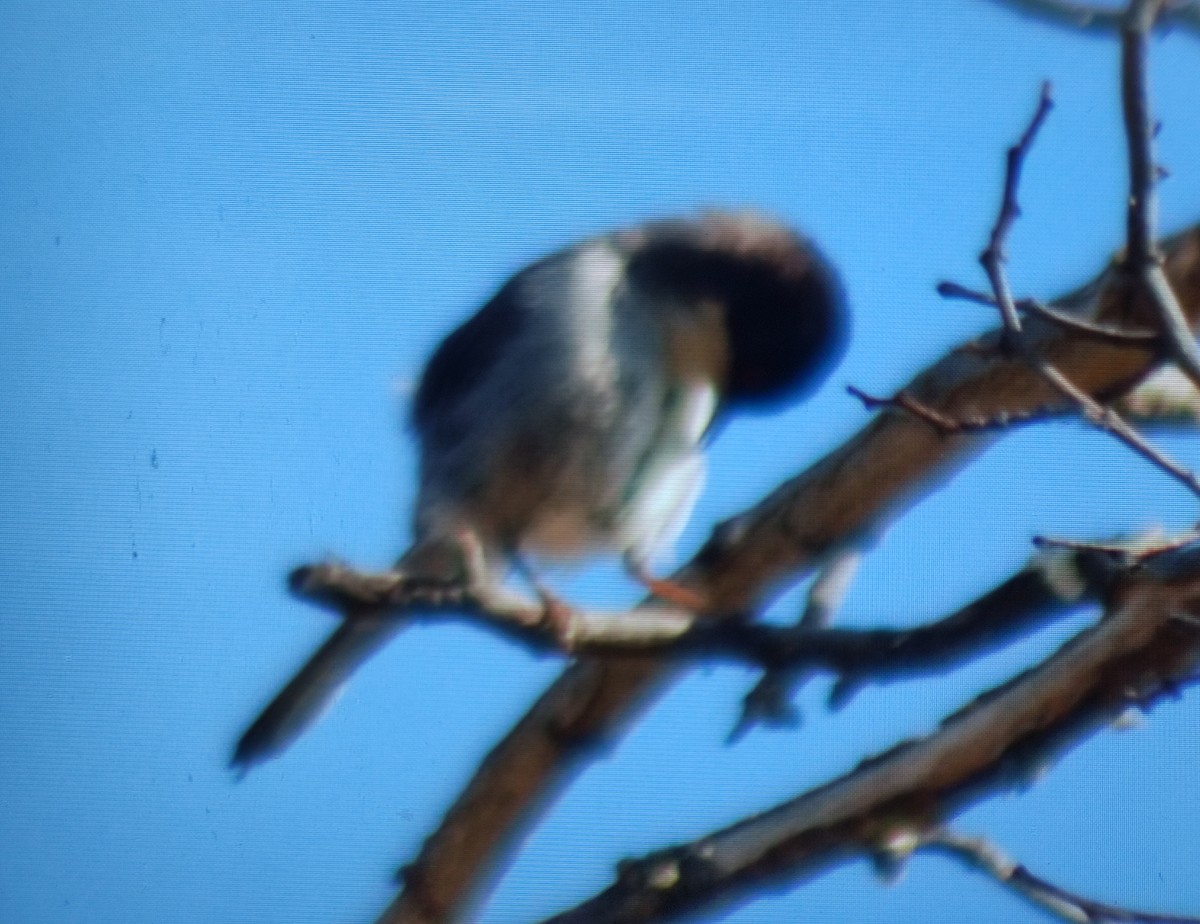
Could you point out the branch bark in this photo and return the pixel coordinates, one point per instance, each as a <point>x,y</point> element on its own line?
<point>850,493</point>
<point>1146,647</point>
<point>1070,906</point>
<point>1055,581</point>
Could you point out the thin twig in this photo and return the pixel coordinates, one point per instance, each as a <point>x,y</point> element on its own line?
<point>1107,419</point>
<point>1142,257</point>
<point>1101,332</point>
<point>945,425</point>
<point>982,855</point>
<point>994,255</point>
<point>1099,20</point>
<point>993,259</point>
<point>769,701</point>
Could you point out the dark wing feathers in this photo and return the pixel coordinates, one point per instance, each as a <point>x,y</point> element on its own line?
<point>467,355</point>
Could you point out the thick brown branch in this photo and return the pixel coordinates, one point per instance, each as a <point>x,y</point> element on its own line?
<point>1146,647</point>
<point>847,494</point>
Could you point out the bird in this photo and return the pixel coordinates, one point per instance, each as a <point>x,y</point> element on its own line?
<point>568,417</point>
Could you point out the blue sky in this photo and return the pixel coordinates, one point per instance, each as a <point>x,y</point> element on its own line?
<point>230,234</point>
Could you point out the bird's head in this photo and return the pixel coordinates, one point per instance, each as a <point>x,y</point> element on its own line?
<point>765,298</point>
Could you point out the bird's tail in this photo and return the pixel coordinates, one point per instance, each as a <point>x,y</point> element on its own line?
<point>440,560</point>
<point>313,689</point>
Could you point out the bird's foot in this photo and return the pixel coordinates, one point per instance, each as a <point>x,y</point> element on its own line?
<point>559,616</point>
<point>556,614</point>
<point>441,571</point>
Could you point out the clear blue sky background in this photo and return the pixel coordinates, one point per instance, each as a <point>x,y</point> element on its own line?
<point>229,235</point>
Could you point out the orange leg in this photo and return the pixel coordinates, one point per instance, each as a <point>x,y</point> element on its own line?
<point>666,590</point>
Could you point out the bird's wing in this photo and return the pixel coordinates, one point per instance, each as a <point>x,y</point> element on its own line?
<point>466,356</point>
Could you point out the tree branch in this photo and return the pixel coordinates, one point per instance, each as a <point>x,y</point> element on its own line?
<point>1141,17</point>
<point>770,699</point>
<point>848,494</point>
<point>1098,20</point>
<point>842,498</point>
<point>1052,583</point>
<point>1070,321</point>
<point>1142,258</point>
<point>1070,906</point>
<point>1146,647</point>
<point>995,254</point>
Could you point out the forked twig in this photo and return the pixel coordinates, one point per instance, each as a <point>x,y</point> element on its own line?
<point>993,258</point>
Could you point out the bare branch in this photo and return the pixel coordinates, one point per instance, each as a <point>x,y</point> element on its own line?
<point>1146,647</point>
<point>994,255</point>
<point>1080,16</point>
<point>359,595</point>
<point>1100,416</point>
<point>1099,331</point>
<point>1107,419</point>
<point>1142,214</point>
<point>848,494</point>
<point>1070,321</point>
<point>1098,20</point>
<point>770,699</point>
<point>946,425</point>
<point>1142,14</point>
<point>1142,258</point>
<point>1051,584</point>
<point>1070,906</point>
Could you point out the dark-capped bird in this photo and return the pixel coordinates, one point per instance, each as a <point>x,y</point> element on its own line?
<point>568,416</point>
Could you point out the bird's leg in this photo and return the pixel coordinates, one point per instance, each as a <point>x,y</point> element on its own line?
<point>556,613</point>
<point>666,590</point>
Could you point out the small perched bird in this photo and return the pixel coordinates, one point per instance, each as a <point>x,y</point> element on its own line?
<point>568,415</point>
